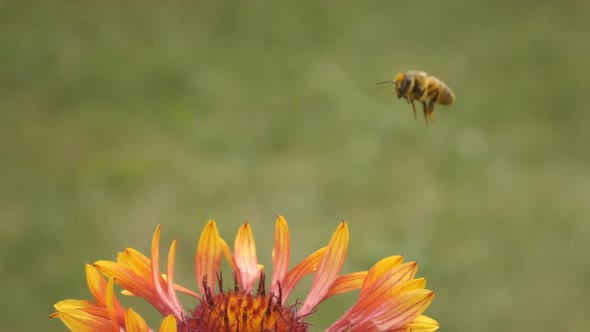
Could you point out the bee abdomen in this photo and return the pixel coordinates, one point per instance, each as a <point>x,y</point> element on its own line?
<point>446,95</point>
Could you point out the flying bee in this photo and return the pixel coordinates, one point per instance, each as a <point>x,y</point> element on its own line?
<point>418,85</point>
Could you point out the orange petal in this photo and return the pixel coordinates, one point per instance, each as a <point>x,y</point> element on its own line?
<point>109,299</point>
<point>171,293</point>
<point>155,260</point>
<point>208,257</point>
<point>169,302</point>
<point>389,280</point>
<point>281,253</point>
<point>381,267</point>
<point>72,305</point>
<point>400,311</point>
<point>96,284</point>
<point>374,295</point>
<point>305,267</point>
<point>177,287</point>
<point>245,258</point>
<point>168,324</point>
<point>181,289</point>
<point>86,306</point>
<point>420,324</point>
<point>138,285</point>
<point>136,262</point>
<point>328,269</point>
<point>347,283</point>
<point>134,322</point>
<point>418,283</point>
<point>74,315</point>
<point>83,305</point>
<point>98,288</point>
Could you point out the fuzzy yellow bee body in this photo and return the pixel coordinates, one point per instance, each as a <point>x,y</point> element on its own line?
<point>429,90</point>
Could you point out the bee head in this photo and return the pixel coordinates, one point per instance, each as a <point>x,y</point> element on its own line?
<point>399,78</point>
<point>402,83</point>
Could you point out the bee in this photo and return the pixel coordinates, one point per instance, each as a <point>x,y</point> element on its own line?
<point>429,90</point>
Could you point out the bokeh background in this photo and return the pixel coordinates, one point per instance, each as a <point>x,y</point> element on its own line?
<point>117,117</point>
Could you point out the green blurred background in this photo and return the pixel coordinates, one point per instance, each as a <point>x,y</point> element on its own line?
<point>117,117</point>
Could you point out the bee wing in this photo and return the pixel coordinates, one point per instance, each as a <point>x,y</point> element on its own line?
<point>416,72</point>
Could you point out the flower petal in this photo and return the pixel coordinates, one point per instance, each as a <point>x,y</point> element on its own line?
<point>109,299</point>
<point>347,283</point>
<point>373,296</point>
<point>305,267</point>
<point>208,257</point>
<point>138,285</point>
<point>328,269</point>
<point>168,324</point>
<point>98,288</point>
<point>155,263</point>
<point>75,314</point>
<point>177,287</point>
<point>135,261</point>
<point>418,283</point>
<point>281,254</point>
<point>420,324</point>
<point>245,258</point>
<point>171,293</point>
<point>388,281</point>
<point>400,311</point>
<point>164,291</point>
<point>184,290</point>
<point>381,267</point>
<point>72,305</point>
<point>134,322</point>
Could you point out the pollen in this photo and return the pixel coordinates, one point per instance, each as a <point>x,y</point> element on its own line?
<point>236,311</point>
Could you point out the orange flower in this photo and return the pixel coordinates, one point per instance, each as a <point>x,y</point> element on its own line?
<point>390,297</point>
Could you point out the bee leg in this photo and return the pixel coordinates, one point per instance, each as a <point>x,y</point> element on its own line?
<point>433,100</point>
<point>425,110</point>
<point>431,110</point>
<point>411,101</point>
<point>413,108</point>
<point>421,92</point>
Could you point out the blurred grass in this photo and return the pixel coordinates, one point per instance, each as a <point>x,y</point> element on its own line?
<point>114,118</point>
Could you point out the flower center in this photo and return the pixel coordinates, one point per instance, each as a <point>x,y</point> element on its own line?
<point>236,311</point>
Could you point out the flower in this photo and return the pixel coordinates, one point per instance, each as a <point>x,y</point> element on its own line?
<point>390,297</point>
